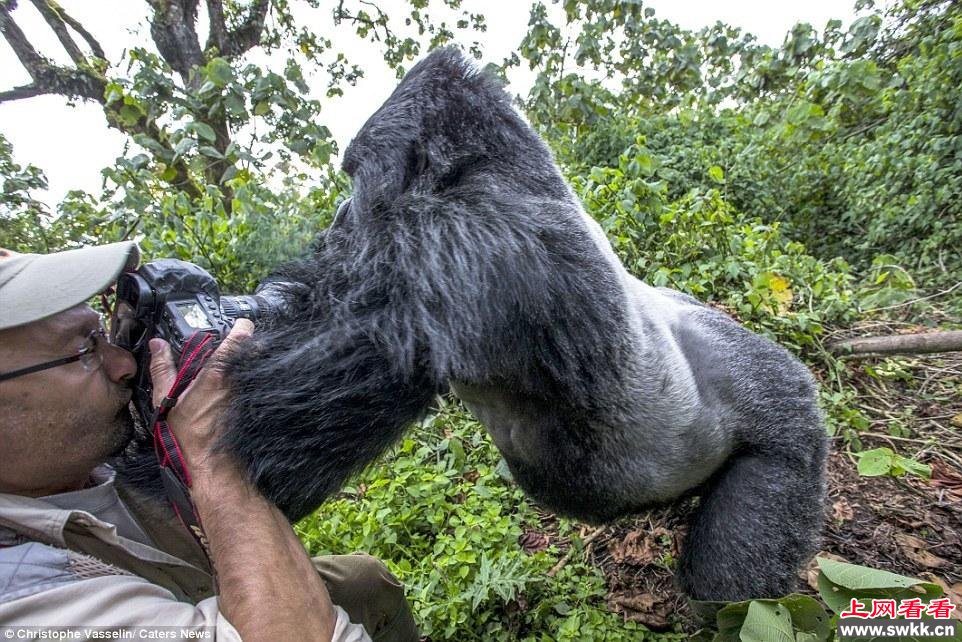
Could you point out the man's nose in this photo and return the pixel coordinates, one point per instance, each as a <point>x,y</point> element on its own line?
<point>119,364</point>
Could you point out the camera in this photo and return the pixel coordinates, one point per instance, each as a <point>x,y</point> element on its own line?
<point>172,300</point>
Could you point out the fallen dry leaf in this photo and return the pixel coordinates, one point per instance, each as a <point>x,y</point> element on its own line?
<point>644,608</point>
<point>945,477</point>
<point>810,572</point>
<point>915,549</point>
<point>954,592</point>
<point>639,547</point>
<point>842,511</point>
<point>906,540</point>
<point>533,541</point>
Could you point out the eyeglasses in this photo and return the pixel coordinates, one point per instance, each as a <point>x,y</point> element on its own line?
<point>90,356</point>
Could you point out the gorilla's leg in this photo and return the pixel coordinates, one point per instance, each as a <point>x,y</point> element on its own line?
<point>757,522</point>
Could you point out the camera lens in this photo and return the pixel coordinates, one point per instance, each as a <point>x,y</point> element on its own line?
<point>127,331</point>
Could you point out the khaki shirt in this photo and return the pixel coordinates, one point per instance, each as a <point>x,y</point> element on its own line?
<point>46,582</point>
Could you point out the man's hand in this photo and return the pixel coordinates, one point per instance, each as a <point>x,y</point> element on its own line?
<point>268,587</point>
<point>197,419</point>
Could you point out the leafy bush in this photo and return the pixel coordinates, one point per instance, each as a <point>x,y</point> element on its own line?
<point>801,617</point>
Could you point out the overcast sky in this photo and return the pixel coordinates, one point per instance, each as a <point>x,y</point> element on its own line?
<point>72,144</point>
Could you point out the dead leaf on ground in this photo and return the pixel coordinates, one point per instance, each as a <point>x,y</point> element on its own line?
<point>644,608</point>
<point>842,511</point>
<point>954,592</point>
<point>915,549</point>
<point>944,476</point>
<point>639,547</point>
<point>810,572</point>
<point>533,541</point>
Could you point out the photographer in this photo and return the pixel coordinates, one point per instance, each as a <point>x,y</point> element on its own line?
<point>79,549</point>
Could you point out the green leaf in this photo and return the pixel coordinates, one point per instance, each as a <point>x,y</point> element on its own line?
<point>219,72</point>
<point>129,115</point>
<point>875,462</point>
<point>766,622</point>
<point>856,577</point>
<point>716,173</point>
<point>113,93</point>
<point>207,150</point>
<point>806,613</point>
<point>184,145</point>
<point>914,467</point>
<point>204,130</point>
<point>562,608</point>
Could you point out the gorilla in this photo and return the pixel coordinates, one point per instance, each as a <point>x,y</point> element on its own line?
<point>463,262</point>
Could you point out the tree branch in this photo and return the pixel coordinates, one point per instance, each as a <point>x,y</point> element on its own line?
<point>47,77</point>
<point>60,29</point>
<point>172,28</point>
<point>341,14</point>
<point>32,61</point>
<point>95,47</point>
<point>248,34</point>
<point>218,29</point>
<point>928,342</point>
<point>18,93</point>
<point>236,42</point>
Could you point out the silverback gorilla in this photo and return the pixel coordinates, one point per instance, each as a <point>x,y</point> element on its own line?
<point>464,262</point>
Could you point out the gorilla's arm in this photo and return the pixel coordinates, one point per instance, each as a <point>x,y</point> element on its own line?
<point>457,259</point>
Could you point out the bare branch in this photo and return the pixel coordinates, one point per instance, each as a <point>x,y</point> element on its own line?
<point>47,77</point>
<point>234,43</point>
<point>32,61</point>
<point>60,29</point>
<point>18,93</point>
<point>929,342</point>
<point>248,34</point>
<point>218,29</point>
<point>95,47</point>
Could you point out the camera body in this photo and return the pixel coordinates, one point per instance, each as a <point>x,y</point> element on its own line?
<point>172,300</point>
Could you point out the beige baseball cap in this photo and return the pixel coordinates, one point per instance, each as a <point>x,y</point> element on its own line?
<point>36,286</point>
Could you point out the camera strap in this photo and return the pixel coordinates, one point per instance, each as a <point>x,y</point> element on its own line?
<point>173,466</point>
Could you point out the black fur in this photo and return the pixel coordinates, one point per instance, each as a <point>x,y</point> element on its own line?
<point>464,261</point>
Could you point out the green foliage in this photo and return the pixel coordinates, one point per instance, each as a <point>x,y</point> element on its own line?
<point>839,583</point>
<point>885,461</point>
<point>441,513</point>
<point>851,137</point>
<point>772,620</point>
<point>701,245</point>
<point>801,618</point>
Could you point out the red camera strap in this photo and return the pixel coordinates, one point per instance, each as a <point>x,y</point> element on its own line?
<point>173,466</point>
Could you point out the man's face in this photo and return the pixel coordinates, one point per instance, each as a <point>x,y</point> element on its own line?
<point>56,425</point>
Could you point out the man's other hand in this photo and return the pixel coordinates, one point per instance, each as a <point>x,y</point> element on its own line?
<point>198,417</point>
